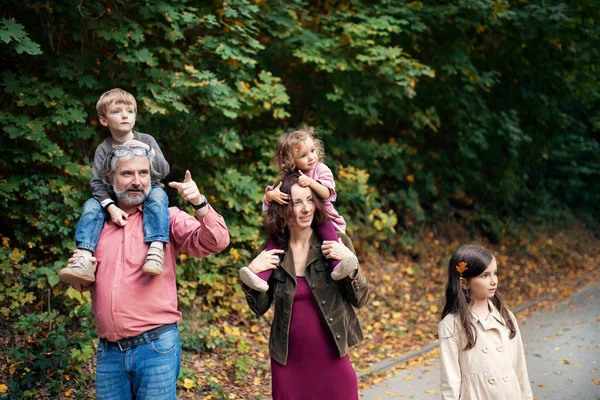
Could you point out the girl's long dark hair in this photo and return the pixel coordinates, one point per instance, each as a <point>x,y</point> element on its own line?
<point>278,216</point>
<point>477,259</point>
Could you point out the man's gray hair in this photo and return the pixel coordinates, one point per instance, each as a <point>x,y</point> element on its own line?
<point>123,152</point>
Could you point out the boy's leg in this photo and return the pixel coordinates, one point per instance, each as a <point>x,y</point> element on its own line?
<point>156,229</point>
<point>87,234</point>
<point>259,281</point>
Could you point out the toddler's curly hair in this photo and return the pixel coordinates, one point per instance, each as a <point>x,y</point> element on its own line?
<point>290,142</point>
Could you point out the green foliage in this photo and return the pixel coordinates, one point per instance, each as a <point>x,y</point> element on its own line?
<point>490,108</point>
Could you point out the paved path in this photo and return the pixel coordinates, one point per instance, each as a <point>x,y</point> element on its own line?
<point>562,347</point>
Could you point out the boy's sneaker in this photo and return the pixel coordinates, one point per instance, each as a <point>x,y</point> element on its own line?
<point>79,272</point>
<point>252,280</point>
<point>154,261</point>
<point>345,268</point>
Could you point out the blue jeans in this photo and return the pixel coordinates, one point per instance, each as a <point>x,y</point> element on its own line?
<point>156,220</point>
<point>148,371</point>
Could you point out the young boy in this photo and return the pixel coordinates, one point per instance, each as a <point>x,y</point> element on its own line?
<point>117,110</point>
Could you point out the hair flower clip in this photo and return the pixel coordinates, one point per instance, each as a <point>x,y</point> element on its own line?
<point>461,267</point>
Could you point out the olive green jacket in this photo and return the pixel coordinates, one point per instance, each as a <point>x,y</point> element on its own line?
<point>334,298</point>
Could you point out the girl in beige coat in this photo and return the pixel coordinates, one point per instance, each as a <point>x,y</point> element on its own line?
<point>481,350</point>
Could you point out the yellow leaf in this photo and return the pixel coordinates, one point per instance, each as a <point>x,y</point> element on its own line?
<point>430,391</point>
<point>3,388</point>
<point>69,392</point>
<point>433,309</point>
<point>188,383</point>
<point>409,378</point>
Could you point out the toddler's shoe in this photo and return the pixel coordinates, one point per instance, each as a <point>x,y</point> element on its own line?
<point>79,272</point>
<point>154,261</point>
<point>252,280</point>
<point>345,268</point>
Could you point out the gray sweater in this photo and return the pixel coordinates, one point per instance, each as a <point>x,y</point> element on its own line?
<point>100,190</point>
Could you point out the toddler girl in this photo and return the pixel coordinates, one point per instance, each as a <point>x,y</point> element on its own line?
<point>301,151</point>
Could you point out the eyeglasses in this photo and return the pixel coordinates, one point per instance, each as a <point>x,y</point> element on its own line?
<point>130,151</point>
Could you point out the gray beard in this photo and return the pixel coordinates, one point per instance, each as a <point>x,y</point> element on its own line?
<point>131,200</point>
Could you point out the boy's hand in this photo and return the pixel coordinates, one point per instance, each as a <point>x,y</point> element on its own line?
<point>277,195</point>
<point>136,143</point>
<point>304,180</point>
<point>117,216</point>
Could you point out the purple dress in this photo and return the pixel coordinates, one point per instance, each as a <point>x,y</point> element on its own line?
<point>314,368</point>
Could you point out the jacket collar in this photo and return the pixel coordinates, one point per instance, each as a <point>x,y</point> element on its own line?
<point>494,313</point>
<point>314,253</point>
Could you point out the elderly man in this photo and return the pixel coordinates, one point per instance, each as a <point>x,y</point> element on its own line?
<point>136,314</point>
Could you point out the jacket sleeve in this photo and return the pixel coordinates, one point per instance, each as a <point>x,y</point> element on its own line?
<point>160,163</point>
<point>450,375</point>
<point>99,188</point>
<point>356,289</point>
<point>519,364</point>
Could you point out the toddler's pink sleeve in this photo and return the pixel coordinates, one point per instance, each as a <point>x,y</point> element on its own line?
<point>266,204</point>
<point>324,176</point>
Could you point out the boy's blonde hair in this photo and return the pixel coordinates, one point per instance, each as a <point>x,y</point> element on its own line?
<point>117,96</point>
<point>289,142</point>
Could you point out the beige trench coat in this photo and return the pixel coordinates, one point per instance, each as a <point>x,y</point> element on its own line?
<point>493,369</point>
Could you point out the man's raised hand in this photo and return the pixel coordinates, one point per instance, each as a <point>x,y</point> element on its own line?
<point>188,189</point>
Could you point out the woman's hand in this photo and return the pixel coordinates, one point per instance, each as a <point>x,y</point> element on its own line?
<point>267,259</point>
<point>333,250</point>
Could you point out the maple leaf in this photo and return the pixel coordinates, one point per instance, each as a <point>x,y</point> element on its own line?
<point>461,267</point>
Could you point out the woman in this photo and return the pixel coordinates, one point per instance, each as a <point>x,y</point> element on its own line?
<point>314,323</point>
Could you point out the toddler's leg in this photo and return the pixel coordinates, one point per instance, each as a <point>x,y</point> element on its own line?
<point>259,281</point>
<point>341,268</point>
<point>326,231</point>
<point>156,229</point>
<point>87,233</point>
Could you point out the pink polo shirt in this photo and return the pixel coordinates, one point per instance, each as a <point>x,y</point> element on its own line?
<point>322,174</point>
<point>127,302</point>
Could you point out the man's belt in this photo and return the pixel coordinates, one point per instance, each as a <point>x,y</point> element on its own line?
<point>153,334</point>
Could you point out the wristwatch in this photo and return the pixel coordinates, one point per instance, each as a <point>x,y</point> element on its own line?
<point>202,204</point>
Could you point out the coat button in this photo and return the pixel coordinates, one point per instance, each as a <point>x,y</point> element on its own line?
<point>330,319</point>
<point>505,378</point>
<point>500,348</point>
<point>485,349</point>
<point>312,286</point>
<point>337,337</point>
<point>323,302</point>
<point>492,380</point>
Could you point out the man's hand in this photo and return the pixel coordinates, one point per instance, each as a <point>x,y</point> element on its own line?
<point>304,180</point>
<point>117,216</point>
<point>189,191</point>
<point>277,195</point>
